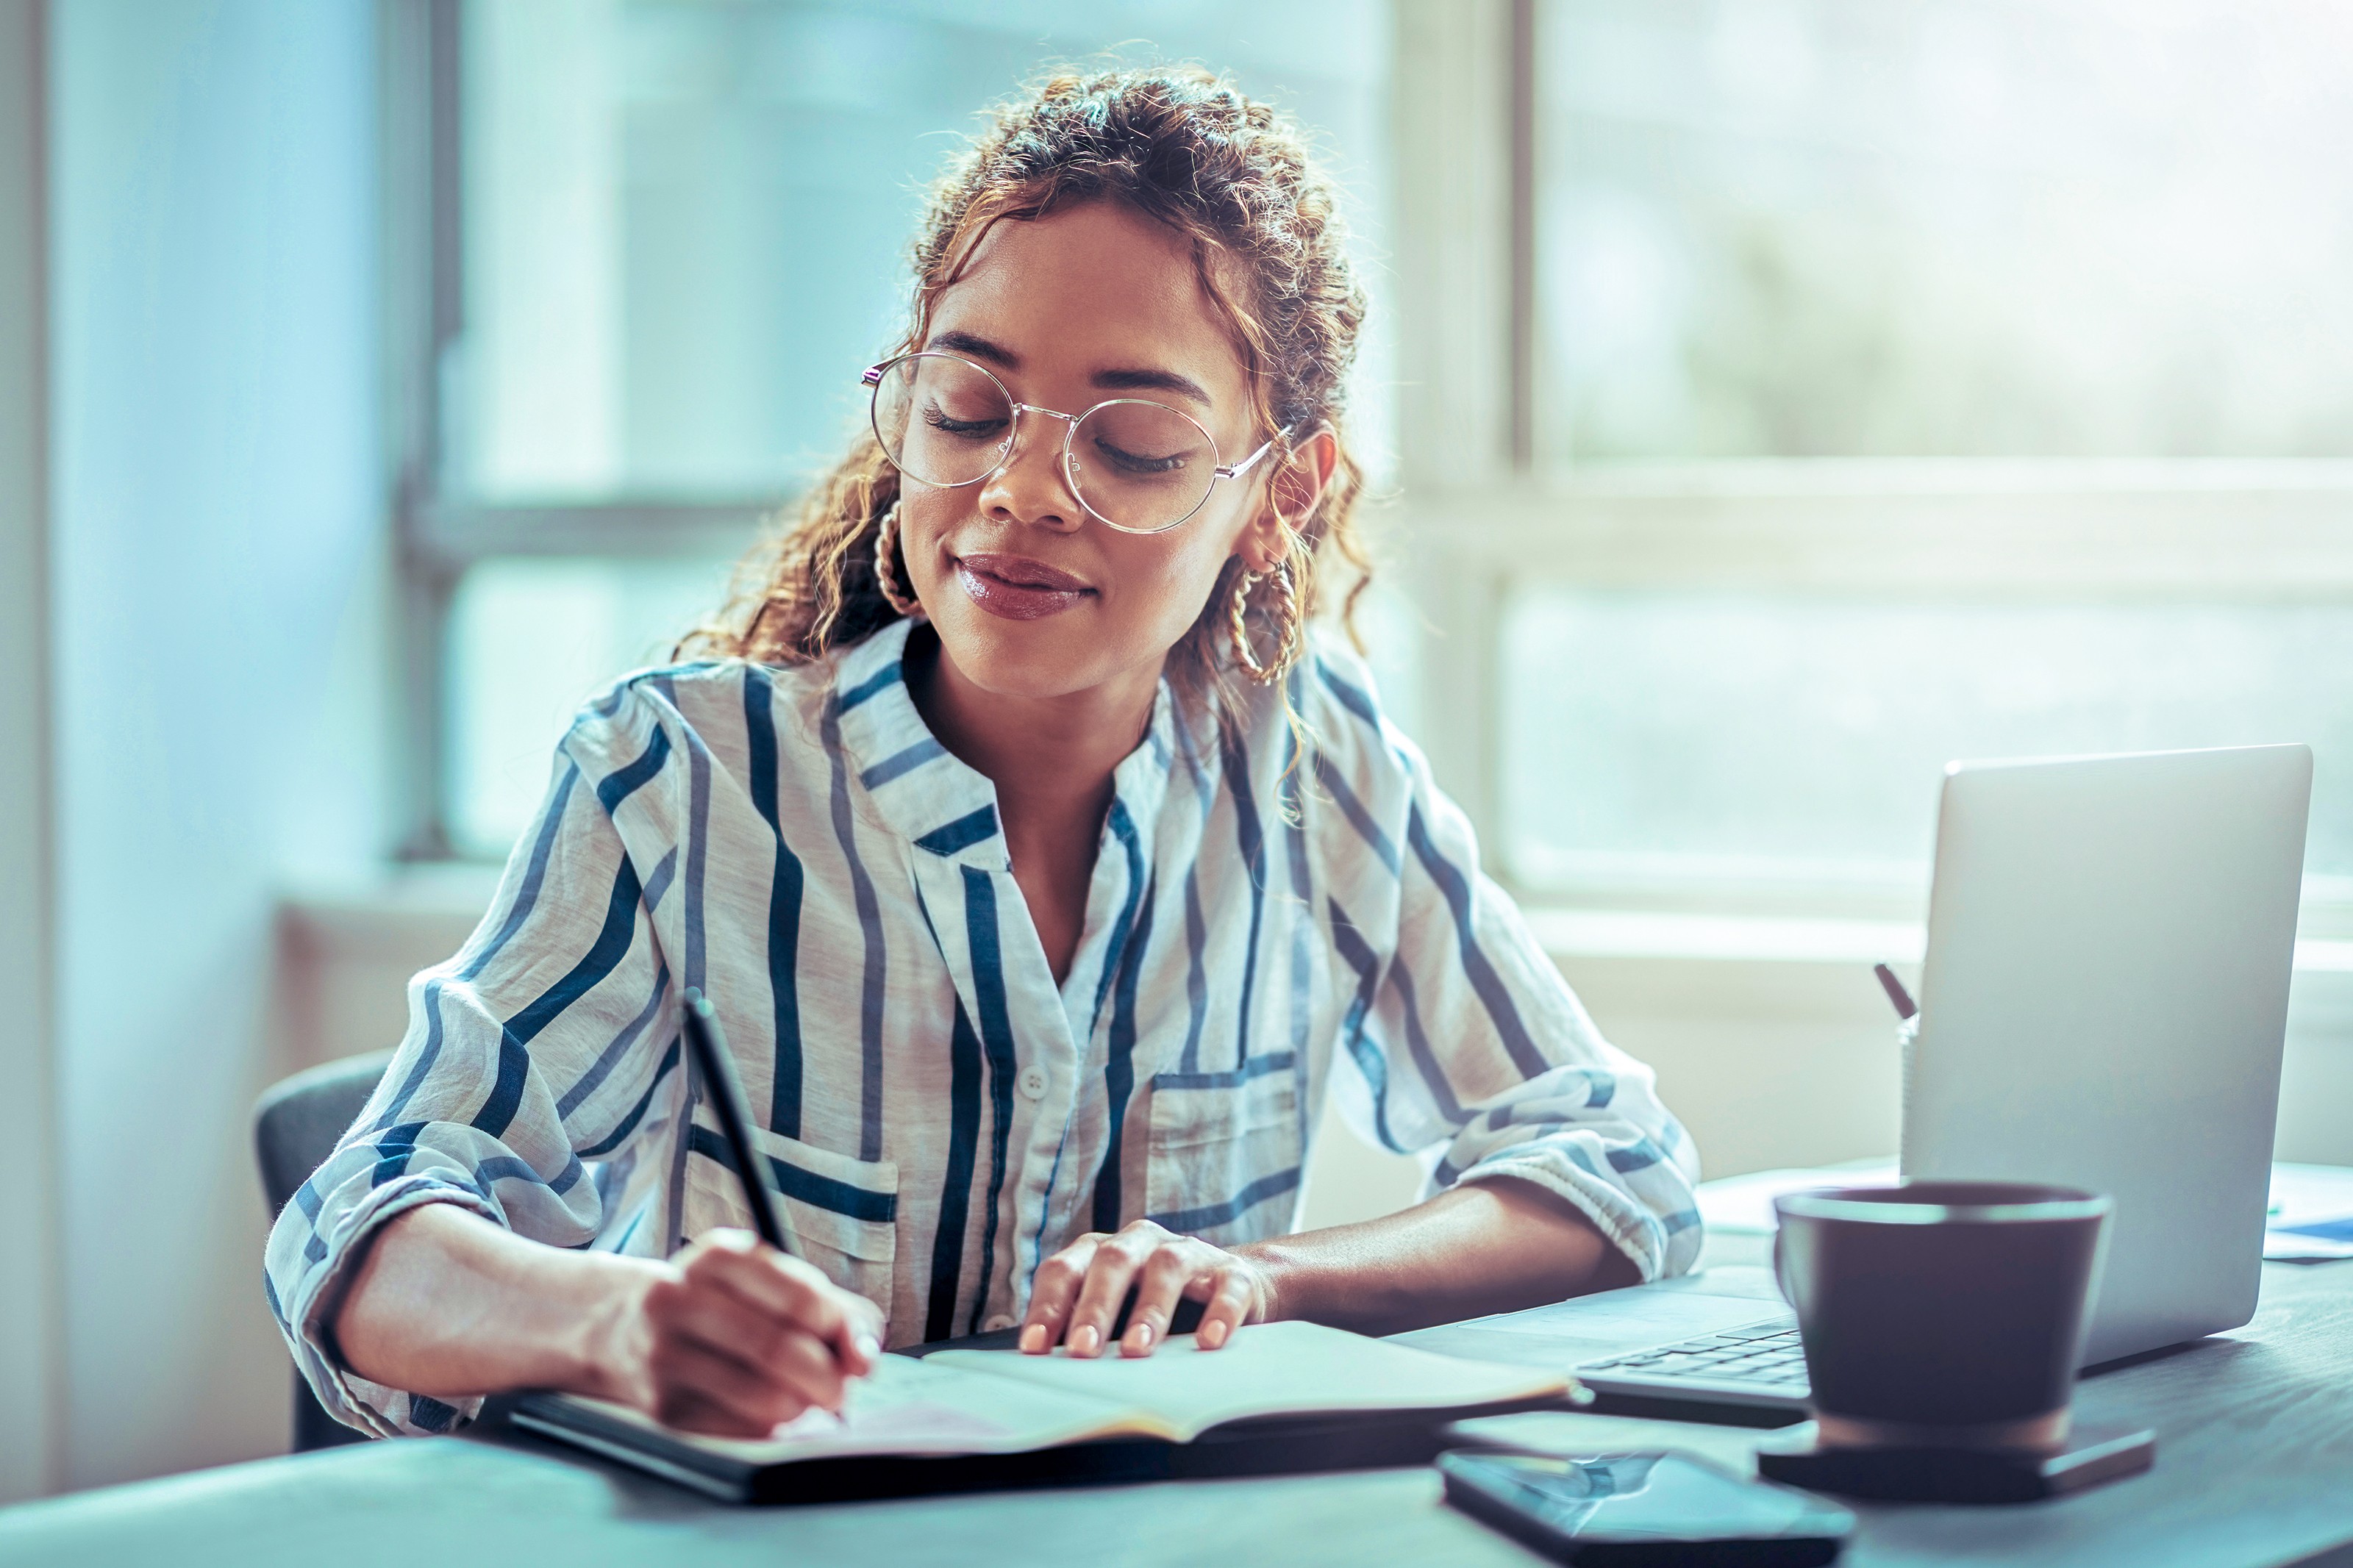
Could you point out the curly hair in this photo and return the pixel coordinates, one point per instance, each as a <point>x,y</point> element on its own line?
<point>1232,176</point>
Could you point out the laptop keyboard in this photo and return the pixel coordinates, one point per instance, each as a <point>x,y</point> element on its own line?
<point>1767,1357</point>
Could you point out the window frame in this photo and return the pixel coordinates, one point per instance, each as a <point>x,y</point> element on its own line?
<point>437,536</point>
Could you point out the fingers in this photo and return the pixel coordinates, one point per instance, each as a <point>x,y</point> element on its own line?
<point>862,1346</point>
<point>698,1391</point>
<point>1233,1301</point>
<point>735,1261</point>
<point>1079,1292</point>
<point>1053,1293</point>
<point>1167,1272</point>
<point>1118,1262</point>
<point>772,1356</point>
<point>742,1334</point>
<point>706,1387</point>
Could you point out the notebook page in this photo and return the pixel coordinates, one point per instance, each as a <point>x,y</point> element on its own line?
<point>911,1406</point>
<point>1267,1369</point>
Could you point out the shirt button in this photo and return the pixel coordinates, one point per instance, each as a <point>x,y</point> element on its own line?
<point>999,1323</point>
<point>1033,1082</point>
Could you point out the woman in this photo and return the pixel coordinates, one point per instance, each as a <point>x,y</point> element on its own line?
<point>1047,875</point>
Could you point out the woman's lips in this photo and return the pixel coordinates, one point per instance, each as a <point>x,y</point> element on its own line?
<point>1017,587</point>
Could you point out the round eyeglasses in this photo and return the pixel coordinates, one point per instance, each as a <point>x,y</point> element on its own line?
<point>1135,465</point>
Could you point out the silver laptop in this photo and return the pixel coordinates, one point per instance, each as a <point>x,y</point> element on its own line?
<point>2103,1006</point>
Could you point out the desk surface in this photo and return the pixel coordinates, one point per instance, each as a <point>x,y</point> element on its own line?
<point>2254,1467</point>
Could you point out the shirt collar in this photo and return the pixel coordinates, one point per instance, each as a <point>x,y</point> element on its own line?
<point>930,795</point>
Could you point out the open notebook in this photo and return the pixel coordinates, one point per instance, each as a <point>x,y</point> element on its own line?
<point>1278,1397</point>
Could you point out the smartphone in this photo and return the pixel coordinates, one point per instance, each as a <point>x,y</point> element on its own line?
<point>1630,1510</point>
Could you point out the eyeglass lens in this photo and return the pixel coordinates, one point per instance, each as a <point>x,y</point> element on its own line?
<point>1135,464</point>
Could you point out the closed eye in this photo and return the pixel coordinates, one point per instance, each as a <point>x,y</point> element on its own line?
<point>939,419</point>
<point>1139,463</point>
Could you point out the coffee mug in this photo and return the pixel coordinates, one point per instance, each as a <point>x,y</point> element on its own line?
<point>1941,1314</point>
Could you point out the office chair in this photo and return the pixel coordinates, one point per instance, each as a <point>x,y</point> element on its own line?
<point>295,1127</point>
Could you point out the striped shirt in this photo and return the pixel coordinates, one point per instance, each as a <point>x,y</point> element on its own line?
<point>1263,929</point>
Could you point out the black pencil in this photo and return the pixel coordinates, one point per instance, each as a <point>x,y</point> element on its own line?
<point>717,1069</point>
<point>1895,992</point>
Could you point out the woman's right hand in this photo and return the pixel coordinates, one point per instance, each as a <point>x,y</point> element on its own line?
<point>730,1337</point>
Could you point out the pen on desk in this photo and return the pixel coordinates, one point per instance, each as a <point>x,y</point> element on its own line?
<point>717,1069</point>
<point>1905,1006</point>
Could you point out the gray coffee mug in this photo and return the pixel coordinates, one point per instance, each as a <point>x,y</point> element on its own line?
<point>1941,1314</point>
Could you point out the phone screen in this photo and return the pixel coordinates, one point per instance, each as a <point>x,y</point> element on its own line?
<point>1645,1497</point>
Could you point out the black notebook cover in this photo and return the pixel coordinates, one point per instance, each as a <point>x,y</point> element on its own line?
<point>1263,1446</point>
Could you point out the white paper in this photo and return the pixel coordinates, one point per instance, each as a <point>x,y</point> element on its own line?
<point>2308,1195</point>
<point>1266,1369</point>
<point>912,1407</point>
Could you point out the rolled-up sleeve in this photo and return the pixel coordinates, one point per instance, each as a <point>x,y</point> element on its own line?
<point>1463,1035</point>
<point>528,1054</point>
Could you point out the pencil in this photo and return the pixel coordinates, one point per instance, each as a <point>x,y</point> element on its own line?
<point>1904,1008</point>
<point>716,1068</point>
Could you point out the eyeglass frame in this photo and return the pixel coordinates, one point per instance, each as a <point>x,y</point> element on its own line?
<point>872,379</point>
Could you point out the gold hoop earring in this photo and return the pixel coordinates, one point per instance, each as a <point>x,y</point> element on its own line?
<point>1288,640</point>
<point>886,567</point>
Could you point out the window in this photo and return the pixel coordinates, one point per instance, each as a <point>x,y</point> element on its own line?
<point>1898,383</point>
<point>2076,229</point>
<point>1747,739</point>
<point>666,236</point>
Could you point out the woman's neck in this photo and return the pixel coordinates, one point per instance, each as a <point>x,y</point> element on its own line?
<point>1051,760</point>
<point>1053,763</point>
<point>1055,753</point>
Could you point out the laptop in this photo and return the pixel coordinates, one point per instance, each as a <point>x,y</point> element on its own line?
<point>2103,1006</point>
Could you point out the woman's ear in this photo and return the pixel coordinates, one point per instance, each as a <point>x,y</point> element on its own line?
<point>1291,491</point>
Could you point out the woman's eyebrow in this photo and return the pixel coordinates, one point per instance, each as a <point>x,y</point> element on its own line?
<point>1140,380</point>
<point>978,347</point>
<point>1134,379</point>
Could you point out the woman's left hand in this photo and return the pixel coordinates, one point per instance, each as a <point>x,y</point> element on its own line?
<point>1078,1290</point>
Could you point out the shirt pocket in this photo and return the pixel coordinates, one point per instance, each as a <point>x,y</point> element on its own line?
<point>843,1214</point>
<point>1224,1150</point>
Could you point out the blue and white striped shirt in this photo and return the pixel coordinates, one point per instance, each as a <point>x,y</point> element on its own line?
<point>1262,930</point>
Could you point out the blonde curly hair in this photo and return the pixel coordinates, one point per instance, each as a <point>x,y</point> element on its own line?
<point>1228,173</point>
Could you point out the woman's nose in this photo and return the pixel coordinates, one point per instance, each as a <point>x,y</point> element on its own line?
<point>1031,486</point>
